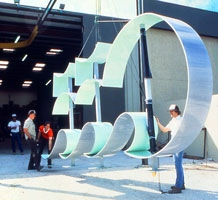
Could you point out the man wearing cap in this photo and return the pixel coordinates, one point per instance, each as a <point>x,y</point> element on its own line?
<point>172,127</point>
<point>14,127</point>
<point>30,135</point>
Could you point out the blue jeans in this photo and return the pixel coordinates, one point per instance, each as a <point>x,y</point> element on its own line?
<point>16,137</point>
<point>179,169</point>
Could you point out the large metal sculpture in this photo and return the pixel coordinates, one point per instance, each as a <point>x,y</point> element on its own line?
<point>130,132</point>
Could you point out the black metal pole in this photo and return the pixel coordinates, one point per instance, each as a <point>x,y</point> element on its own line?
<point>148,101</point>
<point>141,79</point>
<point>145,76</point>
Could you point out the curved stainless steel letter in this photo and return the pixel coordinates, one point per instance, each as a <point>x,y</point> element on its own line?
<point>200,83</point>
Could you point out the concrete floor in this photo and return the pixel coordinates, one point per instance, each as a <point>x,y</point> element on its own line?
<point>119,180</point>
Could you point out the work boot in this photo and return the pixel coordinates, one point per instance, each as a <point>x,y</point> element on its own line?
<point>32,168</point>
<point>183,187</point>
<point>39,168</point>
<point>175,190</point>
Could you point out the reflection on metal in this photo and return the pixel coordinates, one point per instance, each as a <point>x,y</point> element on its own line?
<point>70,103</point>
<point>62,105</point>
<point>129,126</point>
<point>93,135</point>
<point>200,82</point>
<point>59,146</point>
<point>97,94</point>
<point>130,131</point>
<point>89,141</point>
<point>61,80</point>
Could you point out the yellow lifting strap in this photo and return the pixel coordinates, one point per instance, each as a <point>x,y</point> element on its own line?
<point>21,44</point>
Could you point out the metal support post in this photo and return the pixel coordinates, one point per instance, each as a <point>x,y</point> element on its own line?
<point>73,162</point>
<point>71,117</point>
<point>101,159</point>
<point>97,94</point>
<point>147,85</point>
<point>155,163</point>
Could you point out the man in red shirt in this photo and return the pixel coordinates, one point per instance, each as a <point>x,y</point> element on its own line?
<point>45,137</point>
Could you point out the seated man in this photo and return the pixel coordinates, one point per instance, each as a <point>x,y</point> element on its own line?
<point>47,135</point>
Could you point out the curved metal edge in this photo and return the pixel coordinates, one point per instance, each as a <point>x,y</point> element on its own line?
<point>84,70</point>
<point>102,131</point>
<point>122,131</point>
<point>59,146</point>
<point>199,75</point>
<point>200,87</point>
<point>86,92</point>
<point>72,140</point>
<point>85,143</point>
<point>63,78</point>
<point>100,53</point>
<point>130,32</point>
<point>60,85</point>
<point>84,66</point>
<point>141,141</point>
<point>138,154</point>
<point>61,106</point>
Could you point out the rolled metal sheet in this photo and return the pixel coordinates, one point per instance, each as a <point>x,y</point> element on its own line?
<point>200,83</point>
<point>101,132</point>
<point>140,140</point>
<point>85,143</point>
<point>122,131</point>
<point>84,66</point>
<point>72,141</point>
<point>61,106</point>
<point>86,92</point>
<point>129,128</point>
<point>63,140</point>
<point>130,131</point>
<point>84,70</point>
<point>60,80</point>
<point>100,53</point>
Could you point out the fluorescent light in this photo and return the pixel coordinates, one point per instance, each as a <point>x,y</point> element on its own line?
<point>56,50</point>
<point>24,58</point>
<point>40,64</point>
<point>9,50</point>
<point>25,85</point>
<point>37,69</point>
<point>3,66</point>
<point>51,53</point>
<point>1,81</point>
<point>2,62</point>
<point>17,39</point>
<point>28,82</point>
<point>48,82</point>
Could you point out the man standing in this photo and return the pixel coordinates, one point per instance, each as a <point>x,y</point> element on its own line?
<point>47,135</point>
<point>14,127</point>
<point>172,127</point>
<point>30,135</point>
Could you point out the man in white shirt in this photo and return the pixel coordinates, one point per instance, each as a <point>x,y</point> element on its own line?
<point>14,127</point>
<point>30,135</point>
<point>172,127</point>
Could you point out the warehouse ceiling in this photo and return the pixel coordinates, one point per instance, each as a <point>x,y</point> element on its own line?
<point>58,42</point>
